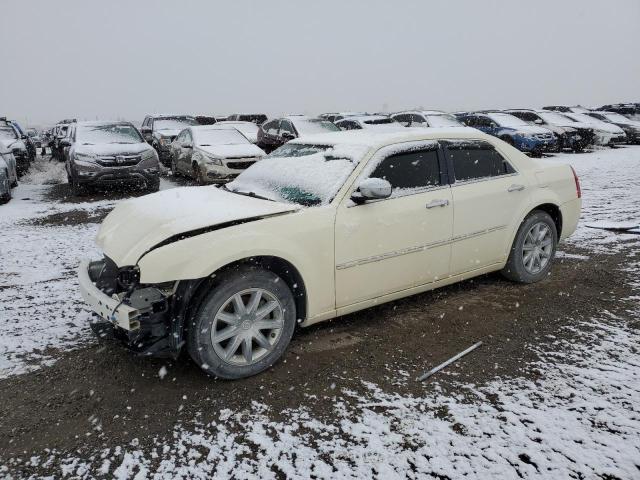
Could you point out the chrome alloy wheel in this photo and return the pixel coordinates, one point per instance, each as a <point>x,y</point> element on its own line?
<point>247,326</point>
<point>537,248</point>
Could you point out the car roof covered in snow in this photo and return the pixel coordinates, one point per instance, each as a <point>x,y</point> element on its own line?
<point>371,138</point>
<point>98,123</point>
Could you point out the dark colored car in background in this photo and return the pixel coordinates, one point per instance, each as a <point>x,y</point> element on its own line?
<point>629,110</point>
<point>630,127</point>
<point>205,119</point>
<point>278,131</point>
<point>11,140</point>
<point>28,141</point>
<point>568,136</point>
<point>161,130</point>
<point>566,109</point>
<point>257,118</point>
<point>110,154</point>
<point>526,138</point>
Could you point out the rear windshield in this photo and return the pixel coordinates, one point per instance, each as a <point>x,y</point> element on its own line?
<point>379,121</point>
<point>443,121</point>
<point>173,123</point>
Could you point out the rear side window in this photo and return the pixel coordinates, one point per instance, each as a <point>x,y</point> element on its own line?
<point>477,160</point>
<point>418,169</point>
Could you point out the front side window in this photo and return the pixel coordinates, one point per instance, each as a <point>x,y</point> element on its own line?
<point>285,126</point>
<point>410,171</point>
<point>476,160</point>
<point>109,133</point>
<point>271,127</point>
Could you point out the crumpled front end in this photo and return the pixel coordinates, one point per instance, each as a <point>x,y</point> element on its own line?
<point>138,315</point>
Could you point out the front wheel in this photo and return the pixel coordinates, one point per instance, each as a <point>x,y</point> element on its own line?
<point>244,325</point>
<point>533,249</point>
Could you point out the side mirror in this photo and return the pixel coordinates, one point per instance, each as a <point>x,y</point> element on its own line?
<point>372,189</point>
<point>538,121</point>
<point>287,136</point>
<point>65,143</point>
<point>186,145</point>
<point>146,130</point>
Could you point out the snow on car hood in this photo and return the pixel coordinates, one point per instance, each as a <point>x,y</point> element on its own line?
<point>233,151</point>
<point>137,225</point>
<point>114,148</point>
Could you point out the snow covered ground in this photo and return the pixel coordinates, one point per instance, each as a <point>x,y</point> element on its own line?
<point>580,419</point>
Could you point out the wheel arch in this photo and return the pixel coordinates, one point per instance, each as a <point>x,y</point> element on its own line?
<point>191,293</point>
<point>554,212</point>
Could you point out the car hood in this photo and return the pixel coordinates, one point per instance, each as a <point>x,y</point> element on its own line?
<point>138,225</point>
<point>114,148</point>
<point>233,151</point>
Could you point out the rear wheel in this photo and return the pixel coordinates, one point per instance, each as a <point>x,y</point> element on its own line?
<point>507,139</point>
<point>244,325</point>
<point>533,249</point>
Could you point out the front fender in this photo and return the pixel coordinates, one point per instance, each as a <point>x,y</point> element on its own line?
<point>304,239</point>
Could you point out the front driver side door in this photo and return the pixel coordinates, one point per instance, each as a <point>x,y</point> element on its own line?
<point>385,246</point>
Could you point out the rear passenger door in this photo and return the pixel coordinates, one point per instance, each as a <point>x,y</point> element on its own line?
<point>489,198</point>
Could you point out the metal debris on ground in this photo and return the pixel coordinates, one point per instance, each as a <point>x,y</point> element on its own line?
<point>448,362</point>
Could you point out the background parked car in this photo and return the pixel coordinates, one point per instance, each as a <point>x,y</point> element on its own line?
<point>376,123</point>
<point>426,118</point>
<point>336,116</point>
<point>257,118</point>
<point>205,119</point>
<point>26,139</point>
<point>11,141</point>
<point>248,129</point>
<point>575,138</point>
<point>213,153</point>
<point>5,181</point>
<point>629,110</point>
<point>35,137</point>
<point>161,130</point>
<point>630,127</point>
<point>605,133</point>
<point>279,131</point>
<point>10,161</point>
<point>60,132</point>
<point>109,154</point>
<point>566,109</point>
<point>516,132</point>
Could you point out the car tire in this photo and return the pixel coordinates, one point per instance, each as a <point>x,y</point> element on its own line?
<point>533,249</point>
<point>77,189</point>
<point>507,139</point>
<point>174,168</point>
<point>6,198</point>
<point>198,175</point>
<point>153,186</point>
<point>255,346</point>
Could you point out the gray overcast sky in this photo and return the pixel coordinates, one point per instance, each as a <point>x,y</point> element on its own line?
<point>122,58</point>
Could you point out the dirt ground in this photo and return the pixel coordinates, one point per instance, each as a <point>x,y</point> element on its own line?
<point>58,407</point>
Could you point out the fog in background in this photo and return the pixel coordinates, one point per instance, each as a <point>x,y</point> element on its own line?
<point>124,59</point>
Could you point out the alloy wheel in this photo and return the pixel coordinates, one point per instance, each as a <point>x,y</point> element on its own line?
<point>537,248</point>
<point>247,327</point>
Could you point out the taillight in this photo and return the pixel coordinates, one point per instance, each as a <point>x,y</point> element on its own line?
<point>577,180</point>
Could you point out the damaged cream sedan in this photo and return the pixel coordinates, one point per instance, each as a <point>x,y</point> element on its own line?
<point>324,226</point>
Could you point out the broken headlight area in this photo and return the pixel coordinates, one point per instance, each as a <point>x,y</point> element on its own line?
<point>148,331</point>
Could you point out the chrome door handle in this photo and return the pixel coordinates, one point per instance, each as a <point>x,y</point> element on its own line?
<point>515,188</point>
<point>437,203</point>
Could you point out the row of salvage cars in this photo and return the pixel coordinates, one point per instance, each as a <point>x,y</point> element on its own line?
<point>17,152</point>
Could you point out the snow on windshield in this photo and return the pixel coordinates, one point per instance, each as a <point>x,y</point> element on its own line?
<point>219,136</point>
<point>308,180</point>
<point>616,117</point>
<point>173,123</point>
<point>311,126</point>
<point>506,120</point>
<point>113,133</point>
<point>443,121</point>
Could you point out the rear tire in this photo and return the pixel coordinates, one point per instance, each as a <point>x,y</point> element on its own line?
<point>533,249</point>
<point>230,336</point>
